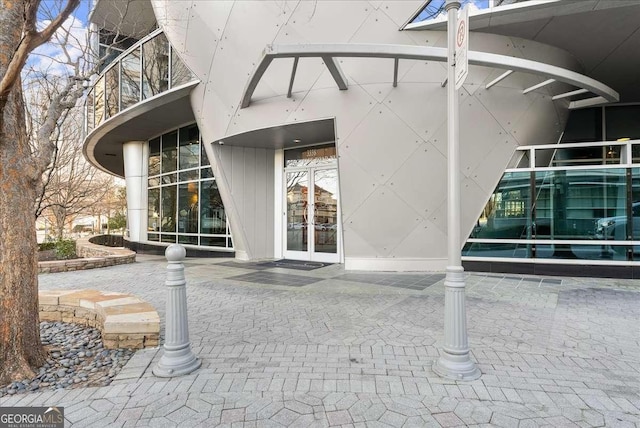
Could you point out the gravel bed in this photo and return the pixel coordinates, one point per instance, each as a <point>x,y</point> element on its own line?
<point>76,357</point>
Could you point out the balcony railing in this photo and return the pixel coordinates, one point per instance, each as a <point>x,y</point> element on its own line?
<point>148,68</point>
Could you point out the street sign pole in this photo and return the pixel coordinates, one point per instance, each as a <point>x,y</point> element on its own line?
<point>455,361</point>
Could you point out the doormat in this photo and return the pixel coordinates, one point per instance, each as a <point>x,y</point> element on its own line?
<point>294,264</point>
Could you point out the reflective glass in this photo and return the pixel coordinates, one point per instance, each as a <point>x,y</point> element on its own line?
<point>477,249</point>
<point>581,251</point>
<point>189,147</point>
<point>168,238</point>
<point>297,210</point>
<point>130,93</point>
<point>213,241</point>
<point>188,175</point>
<point>325,210</point>
<point>188,208</point>
<point>635,206</point>
<point>153,237</point>
<point>170,152</point>
<point>435,9</point>
<point>184,239</point>
<point>90,112</point>
<point>579,204</point>
<point>622,122</point>
<point>168,213</point>
<point>153,224</point>
<point>99,101</point>
<point>179,72</point>
<point>212,216</point>
<point>113,91</point>
<point>154,157</point>
<point>169,178</point>
<point>507,214</point>
<point>206,173</point>
<point>155,66</point>
<point>204,160</point>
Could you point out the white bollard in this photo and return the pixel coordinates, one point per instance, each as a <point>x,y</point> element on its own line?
<point>178,358</point>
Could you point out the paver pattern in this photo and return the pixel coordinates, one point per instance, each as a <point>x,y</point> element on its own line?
<point>339,351</point>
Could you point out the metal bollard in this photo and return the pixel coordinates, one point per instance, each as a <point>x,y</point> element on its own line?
<point>178,358</point>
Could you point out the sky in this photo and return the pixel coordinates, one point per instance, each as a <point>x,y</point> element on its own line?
<point>49,57</point>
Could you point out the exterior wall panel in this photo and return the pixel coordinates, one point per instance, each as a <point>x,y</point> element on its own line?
<point>394,206</point>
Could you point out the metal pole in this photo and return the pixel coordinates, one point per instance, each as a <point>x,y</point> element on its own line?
<point>454,361</point>
<point>178,358</point>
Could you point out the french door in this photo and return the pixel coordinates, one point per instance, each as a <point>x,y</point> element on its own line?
<point>312,228</point>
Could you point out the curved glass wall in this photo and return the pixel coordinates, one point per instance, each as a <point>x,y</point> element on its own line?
<point>573,200</point>
<point>146,69</point>
<point>184,203</point>
<point>584,203</point>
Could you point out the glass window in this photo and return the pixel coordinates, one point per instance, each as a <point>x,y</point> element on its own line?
<point>188,208</point>
<point>623,122</point>
<point>635,207</point>
<point>154,210</point>
<point>155,63</point>
<point>183,212</point>
<point>581,251</point>
<point>113,91</point>
<point>477,249</point>
<point>507,214</point>
<point>99,101</point>
<point>435,9</point>
<point>213,241</point>
<point>185,239</point>
<point>180,74</point>
<point>188,175</point>
<point>90,112</point>
<point>170,152</point>
<point>189,147</point>
<point>169,178</point>
<point>583,126</point>
<point>206,173</point>
<point>130,79</point>
<point>579,204</point>
<point>168,214</point>
<point>212,216</point>
<point>204,159</point>
<point>154,157</point>
<point>168,238</point>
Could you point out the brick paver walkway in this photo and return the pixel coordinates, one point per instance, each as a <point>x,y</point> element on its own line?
<point>339,351</point>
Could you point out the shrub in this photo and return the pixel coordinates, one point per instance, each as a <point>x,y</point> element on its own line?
<point>49,245</point>
<point>65,249</point>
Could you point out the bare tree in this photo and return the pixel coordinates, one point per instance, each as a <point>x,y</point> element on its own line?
<point>71,186</point>
<point>22,163</point>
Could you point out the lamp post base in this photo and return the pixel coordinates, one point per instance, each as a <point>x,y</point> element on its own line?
<point>457,367</point>
<point>177,362</point>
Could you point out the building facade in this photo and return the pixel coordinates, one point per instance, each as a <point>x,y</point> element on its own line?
<point>317,130</point>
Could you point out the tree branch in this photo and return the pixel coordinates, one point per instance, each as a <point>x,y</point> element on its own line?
<point>31,39</point>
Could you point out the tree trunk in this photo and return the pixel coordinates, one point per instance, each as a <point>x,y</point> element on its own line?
<point>20,348</point>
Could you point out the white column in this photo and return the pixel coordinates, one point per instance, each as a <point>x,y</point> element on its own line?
<point>136,160</point>
<point>454,361</point>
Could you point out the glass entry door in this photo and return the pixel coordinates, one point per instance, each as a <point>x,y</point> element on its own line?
<point>312,228</point>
